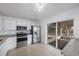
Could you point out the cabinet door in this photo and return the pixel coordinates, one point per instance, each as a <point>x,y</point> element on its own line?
<point>6,24</point>
<point>1,24</point>
<point>21,23</point>
<point>9,24</point>
<point>13,25</point>
<point>11,43</point>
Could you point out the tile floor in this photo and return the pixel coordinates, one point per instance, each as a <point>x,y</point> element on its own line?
<point>35,50</point>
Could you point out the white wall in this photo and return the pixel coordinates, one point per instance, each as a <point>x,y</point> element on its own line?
<point>76,27</point>
<point>72,14</point>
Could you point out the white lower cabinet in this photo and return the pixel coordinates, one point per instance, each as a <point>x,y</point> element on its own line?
<point>10,43</point>
<point>1,25</point>
<point>29,40</point>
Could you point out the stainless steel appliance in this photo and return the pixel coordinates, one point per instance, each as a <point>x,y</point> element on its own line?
<point>21,36</point>
<point>35,31</point>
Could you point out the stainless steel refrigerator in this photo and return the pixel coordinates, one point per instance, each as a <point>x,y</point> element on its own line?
<point>36,31</point>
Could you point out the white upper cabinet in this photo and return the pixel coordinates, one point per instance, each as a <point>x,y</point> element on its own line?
<point>13,25</point>
<point>1,24</point>
<point>6,24</point>
<point>9,24</point>
<point>21,23</point>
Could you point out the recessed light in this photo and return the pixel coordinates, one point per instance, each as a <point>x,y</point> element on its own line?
<point>40,6</point>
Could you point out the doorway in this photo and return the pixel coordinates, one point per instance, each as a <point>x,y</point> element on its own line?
<point>60,33</point>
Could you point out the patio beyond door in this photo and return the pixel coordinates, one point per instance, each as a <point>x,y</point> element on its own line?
<point>60,33</point>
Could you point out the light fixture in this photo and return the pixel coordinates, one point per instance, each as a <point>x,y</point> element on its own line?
<point>40,6</point>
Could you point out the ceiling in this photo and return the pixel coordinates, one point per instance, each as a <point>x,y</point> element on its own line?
<point>30,11</point>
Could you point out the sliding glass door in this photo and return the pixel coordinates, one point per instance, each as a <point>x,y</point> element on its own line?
<point>52,34</point>
<point>60,33</point>
<point>65,33</point>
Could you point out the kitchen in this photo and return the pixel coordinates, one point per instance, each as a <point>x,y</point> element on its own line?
<point>24,28</point>
<point>14,32</point>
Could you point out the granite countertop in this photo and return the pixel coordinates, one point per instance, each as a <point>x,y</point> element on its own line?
<point>7,36</point>
<point>4,37</point>
<point>2,40</point>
